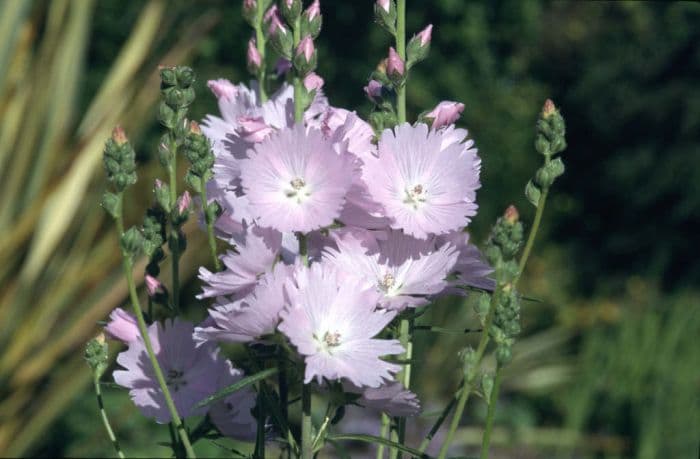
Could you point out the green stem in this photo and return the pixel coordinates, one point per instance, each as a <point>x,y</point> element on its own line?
<point>174,237</point>
<point>260,44</point>
<point>493,399</point>
<point>128,266</point>
<point>210,230</point>
<point>405,339</point>
<point>298,106</point>
<point>471,375</point>
<point>260,434</point>
<point>533,232</point>
<point>105,419</point>
<point>401,50</point>
<point>306,434</point>
<point>384,432</point>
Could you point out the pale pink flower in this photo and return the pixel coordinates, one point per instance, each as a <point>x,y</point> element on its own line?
<point>446,112</point>
<point>122,326</point>
<point>313,82</point>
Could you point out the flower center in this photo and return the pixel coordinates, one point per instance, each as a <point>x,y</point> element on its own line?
<point>298,190</point>
<point>332,339</point>
<point>415,196</point>
<point>387,282</point>
<point>175,379</point>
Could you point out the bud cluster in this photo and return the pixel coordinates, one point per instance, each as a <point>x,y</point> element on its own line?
<point>501,250</point>
<point>198,152</point>
<point>97,355</point>
<point>550,140</point>
<point>177,95</point>
<point>119,161</point>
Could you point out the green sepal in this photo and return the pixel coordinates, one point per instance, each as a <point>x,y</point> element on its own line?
<point>162,194</point>
<point>132,242</point>
<point>532,193</point>
<point>415,52</point>
<point>387,21</point>
<point>487,385</point>
<point>112,204</point>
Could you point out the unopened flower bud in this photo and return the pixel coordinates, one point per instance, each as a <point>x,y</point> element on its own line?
<point>119,136</point>
<point>153,285</point>
<point>122,326</point>
<point>97,355</point>
<point>446,112</point>
<point>311,20</point>
<point>290,9</point>
<point>511,215</point>
<point>305,56</point>
<point>222,89</point>
<point>271,13</point>
<point>253,57</point>
<point>395,66</point>
<point>373,91</point>
<point>253,129</point>
<point>280,38</point>
<point>183,202</point>
<point>385,15</point>
<point>313,82</point>
<point>162,193</point>
<point>194,128</point>
<point>419,46</point>
<point>548,109</point>
<point>250,11</point>
<point>167,75</point>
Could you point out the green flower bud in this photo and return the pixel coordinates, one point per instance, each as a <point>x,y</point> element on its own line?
<point>419,46</point>
<point>167,76</point>
<point>311,20</point>
<point>290,9</point>
<point>167,116</point>
<point>185,76</point>
<point>385,15</point>
<point>97,355</point>
<point>504,355</point>
<point>469,361</point>
<point>132,242</point>
<point>487,385</point>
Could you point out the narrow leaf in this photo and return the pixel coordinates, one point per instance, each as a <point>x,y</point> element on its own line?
<point>245,382</point>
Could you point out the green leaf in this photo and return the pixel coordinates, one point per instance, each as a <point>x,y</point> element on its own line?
<point>379,441</point>
<point>245,382</point>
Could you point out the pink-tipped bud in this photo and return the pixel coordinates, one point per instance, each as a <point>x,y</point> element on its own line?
<point>511,215</point>
<point>122,326</point>
<point>194,128</point>
<point>306,47</point>
<point>269,14</point>
<point>425,35</point>
<point>548,109</point>
<point>384,4</point>
<point>446,112</point>
<point>159,184</point>
<point>313,82</point>
<point>253,56</point>
<point>276,25</point>
<point>373,90</point>
<point>119,136</point>
<point>183,202</point>
<point>249,6</point>
<point>153,285</point>
<point>395,66</point>
<point>222,89</point>
<point>253,129</point>
<point>313,11</point>
<point>282,66</point>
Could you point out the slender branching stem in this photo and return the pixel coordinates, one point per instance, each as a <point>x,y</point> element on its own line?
<point>471,374</point>
<point>260,44</point>
<point>128,266</point>
<point>401,50</point>
<point>493,399</point>
<point>386,424</point>
<point>105,419</point>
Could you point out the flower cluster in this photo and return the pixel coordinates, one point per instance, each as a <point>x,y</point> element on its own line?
<point>336,227</point>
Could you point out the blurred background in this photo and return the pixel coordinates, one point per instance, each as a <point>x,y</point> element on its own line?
<point>608,365</point>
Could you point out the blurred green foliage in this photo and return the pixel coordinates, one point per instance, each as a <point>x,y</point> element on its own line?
<point>608,365</point>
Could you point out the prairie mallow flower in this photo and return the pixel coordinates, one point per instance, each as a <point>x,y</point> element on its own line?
<point>445,113</point>
<point>190,372</point>
<point>333,324</point>
<point>424,188</point>
<point>295,181</point>
<point>122,326</point>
